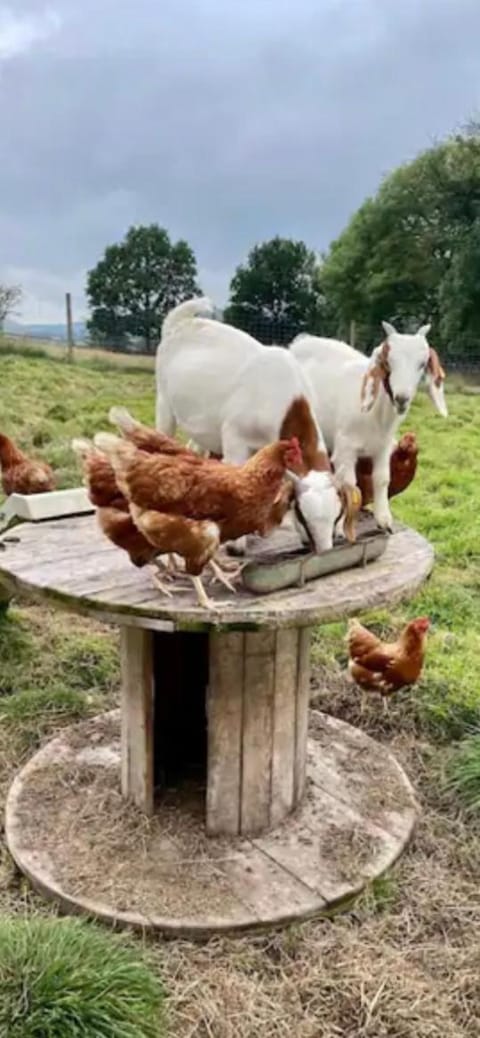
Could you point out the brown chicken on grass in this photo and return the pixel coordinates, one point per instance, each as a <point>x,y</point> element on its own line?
<point>386,667</point>
<point>190,507</point>
<point>21,474</point>
<point>403,466</point>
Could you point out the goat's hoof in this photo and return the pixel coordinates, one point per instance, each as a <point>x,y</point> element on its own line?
<point>384,522</point>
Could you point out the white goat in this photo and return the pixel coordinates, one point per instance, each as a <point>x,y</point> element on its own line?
<point>362,400</point>
<point>232,396</point>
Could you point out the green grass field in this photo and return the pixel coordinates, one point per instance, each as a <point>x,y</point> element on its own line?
<point>405,962</point>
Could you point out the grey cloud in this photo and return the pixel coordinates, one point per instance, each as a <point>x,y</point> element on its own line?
<point>226,123</point>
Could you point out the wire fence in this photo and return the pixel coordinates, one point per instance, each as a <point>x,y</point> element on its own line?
<point>465,361</point>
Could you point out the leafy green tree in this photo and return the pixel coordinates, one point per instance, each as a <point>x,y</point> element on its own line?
<point>460,297</point>
<point>396,258</point>
<point>136,283</point>
<point>277,293</point>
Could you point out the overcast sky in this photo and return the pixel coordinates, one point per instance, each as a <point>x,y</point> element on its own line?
<point>226,121</point>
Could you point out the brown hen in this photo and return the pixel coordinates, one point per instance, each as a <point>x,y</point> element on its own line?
<point>112,507</point>
<point>403,466</point>
<point>216,502</point>
<point>21,474</point>
<point>385,667</point>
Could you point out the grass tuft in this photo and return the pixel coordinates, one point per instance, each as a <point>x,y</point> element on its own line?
<point>463,776</point>
<point>68,979</point>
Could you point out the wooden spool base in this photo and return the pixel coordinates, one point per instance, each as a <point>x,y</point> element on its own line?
<point>79,842</point>
<point>226,709</point>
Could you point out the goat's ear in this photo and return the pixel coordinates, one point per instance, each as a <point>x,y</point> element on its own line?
<point>388,328</point>
<point>374,376</point>
<point>424,330</point>
<point>435,382</point>
<point>371,382</point>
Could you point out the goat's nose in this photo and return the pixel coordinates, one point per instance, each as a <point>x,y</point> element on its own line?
<point>401,401</point>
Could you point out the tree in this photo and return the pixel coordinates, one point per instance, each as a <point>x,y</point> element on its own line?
<point>277,293</point>
<point>10,297</point>
<point>393,261</point>
<point>459,297</point>
<point>136,283</point>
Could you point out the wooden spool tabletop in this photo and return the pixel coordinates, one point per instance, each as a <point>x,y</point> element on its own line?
<point>218,702</point>
<point>71,563</point>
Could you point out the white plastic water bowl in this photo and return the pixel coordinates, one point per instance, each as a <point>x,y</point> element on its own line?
<point>55,504</point>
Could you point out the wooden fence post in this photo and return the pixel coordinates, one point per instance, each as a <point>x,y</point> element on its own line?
<point>68,301</point>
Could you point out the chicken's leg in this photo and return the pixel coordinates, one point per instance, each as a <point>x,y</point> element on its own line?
<point>221,576</point>
<point>232,567</point>
<point>159,583</point>
<point>202,596</point>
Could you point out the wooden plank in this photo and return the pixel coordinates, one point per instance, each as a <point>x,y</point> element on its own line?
<point>225,719</point>
<point>270,891</point>
<point>78,572</point>
<point>330,846</point>
<point>176,878</point>
<point>301,712</point>
<point>402,569</point>
<point>137,716</point>
<point>363,775</point>
<point>258,702</point>
<point>284,724</point>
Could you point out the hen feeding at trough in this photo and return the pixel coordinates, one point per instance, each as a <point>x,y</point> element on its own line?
<point>189,505</point>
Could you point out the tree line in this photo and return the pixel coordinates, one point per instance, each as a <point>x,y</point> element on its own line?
<point>410,254</point>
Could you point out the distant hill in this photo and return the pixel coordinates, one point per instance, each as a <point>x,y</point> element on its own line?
<point>46,331</point>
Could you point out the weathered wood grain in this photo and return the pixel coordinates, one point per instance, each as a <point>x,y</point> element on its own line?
<point>284,724</point>
<point>177,879</point>
<point>302,691</point>
<point>257,731</point>
<point>225,724</point>
<point>70,562</point>
<point>137,717</point>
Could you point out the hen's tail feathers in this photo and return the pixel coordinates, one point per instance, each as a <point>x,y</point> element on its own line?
<point>83,448</point>
<point>116,449</point>
<point>122,419</point>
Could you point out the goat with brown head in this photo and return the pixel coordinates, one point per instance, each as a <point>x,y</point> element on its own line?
<point>398,365</point>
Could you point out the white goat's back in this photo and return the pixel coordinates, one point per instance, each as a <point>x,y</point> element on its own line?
<point>265,389</point>
<point>199,364</point>
<point>322,349</point>
<point>335,371</point>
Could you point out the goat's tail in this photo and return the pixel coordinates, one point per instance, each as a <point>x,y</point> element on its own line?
<point>201,306</point>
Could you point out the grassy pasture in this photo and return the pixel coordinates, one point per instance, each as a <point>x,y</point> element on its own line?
<point>405,962</point>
